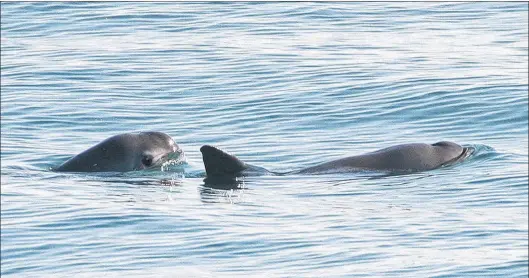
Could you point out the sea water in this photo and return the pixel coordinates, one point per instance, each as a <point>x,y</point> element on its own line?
<point>283,86</point>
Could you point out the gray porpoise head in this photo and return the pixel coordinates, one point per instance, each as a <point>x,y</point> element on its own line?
<point>123,153</point>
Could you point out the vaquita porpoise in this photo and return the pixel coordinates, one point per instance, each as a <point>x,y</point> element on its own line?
<point>406,157</point>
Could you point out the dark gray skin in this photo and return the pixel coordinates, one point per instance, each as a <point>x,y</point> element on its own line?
<point>406,157</point>
<point>123,153</point>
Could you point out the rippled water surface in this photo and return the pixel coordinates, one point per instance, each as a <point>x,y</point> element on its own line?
<point>283,86</point>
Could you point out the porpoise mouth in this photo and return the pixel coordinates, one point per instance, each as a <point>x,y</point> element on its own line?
<point>467,151</point>
<point>174,156</point>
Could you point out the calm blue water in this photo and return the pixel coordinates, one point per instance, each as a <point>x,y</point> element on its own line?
<point>283,86</point>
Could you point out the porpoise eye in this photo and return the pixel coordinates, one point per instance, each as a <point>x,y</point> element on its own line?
<point>147,160</point>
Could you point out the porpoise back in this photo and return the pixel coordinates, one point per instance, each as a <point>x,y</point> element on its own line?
<point>405,157</point>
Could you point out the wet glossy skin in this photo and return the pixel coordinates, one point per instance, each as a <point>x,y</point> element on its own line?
<point>406,157</point>
<point>124,152</point>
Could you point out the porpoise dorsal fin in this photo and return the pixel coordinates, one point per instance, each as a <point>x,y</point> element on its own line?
<point>220,163</point>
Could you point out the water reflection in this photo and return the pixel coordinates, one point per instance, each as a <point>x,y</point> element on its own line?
<point>221,189</point>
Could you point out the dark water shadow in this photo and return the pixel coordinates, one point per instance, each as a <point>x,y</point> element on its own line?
<point>223,183</point>
<point>221,189</point>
